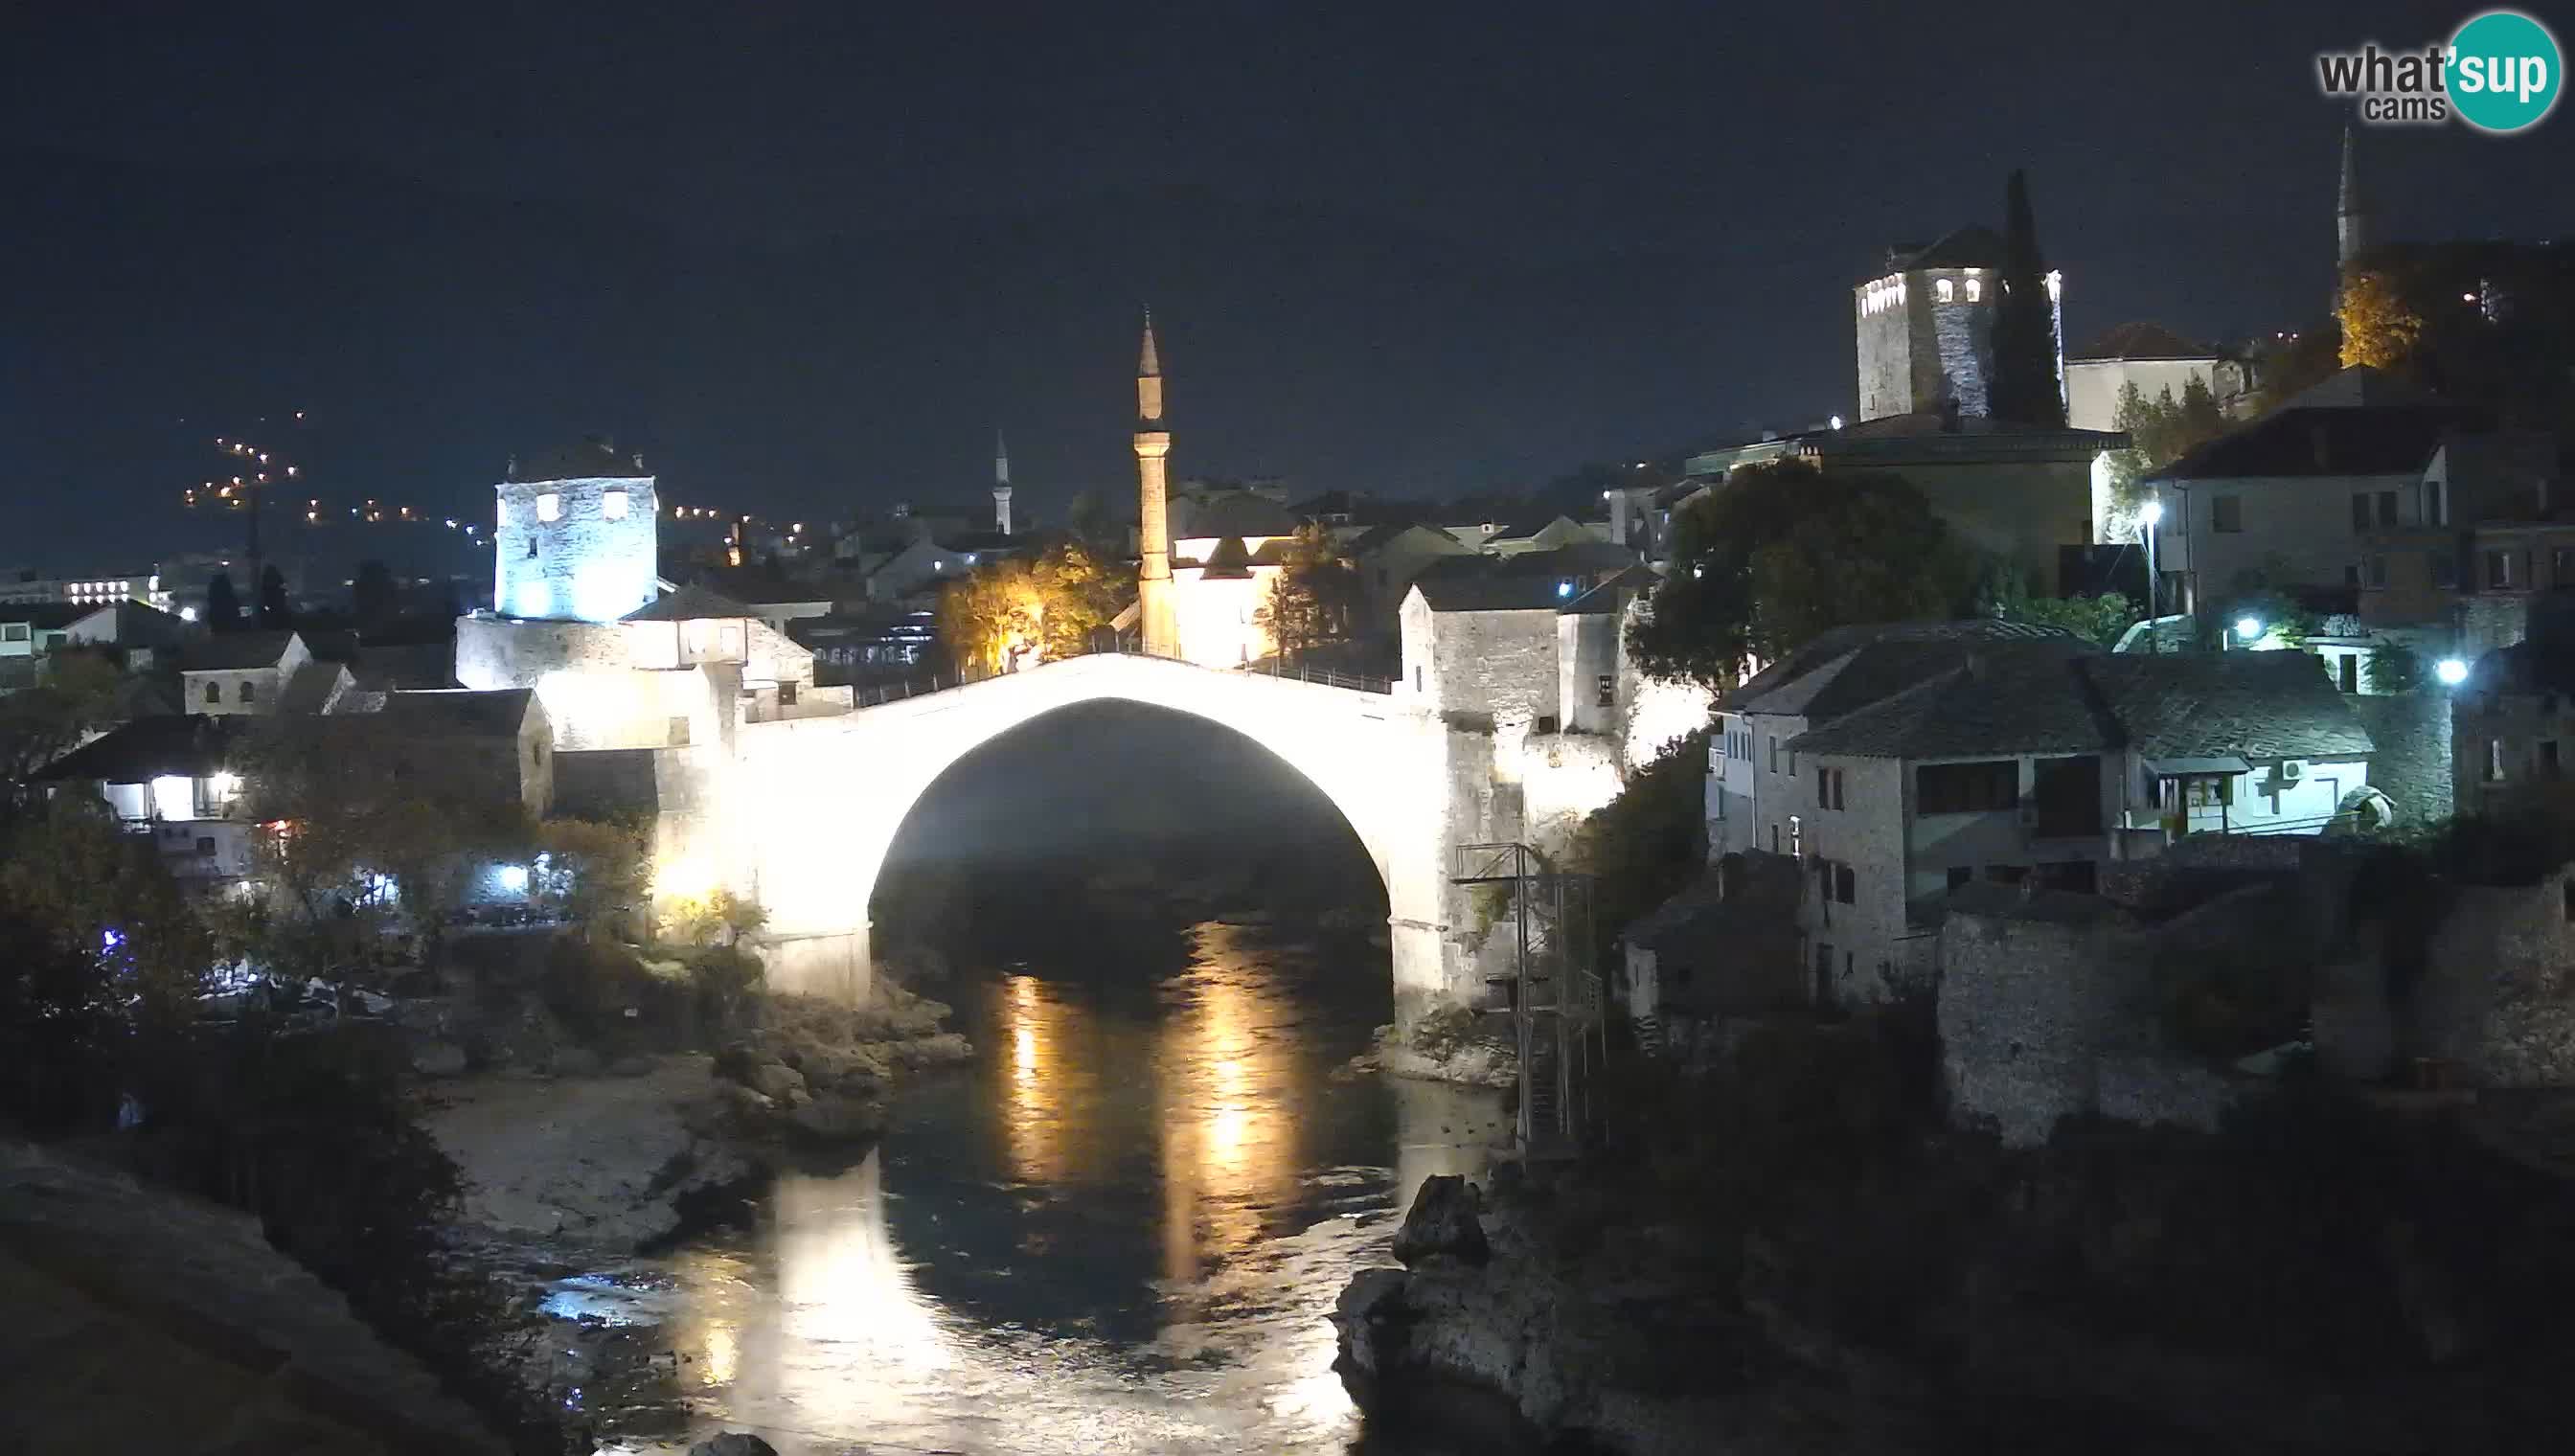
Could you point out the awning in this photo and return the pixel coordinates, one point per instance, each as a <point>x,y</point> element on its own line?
<point>2181,768</point>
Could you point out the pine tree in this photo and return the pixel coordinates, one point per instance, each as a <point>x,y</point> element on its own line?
<point>2026,389</point>
<point>272,599</point>
<point>223,603</point>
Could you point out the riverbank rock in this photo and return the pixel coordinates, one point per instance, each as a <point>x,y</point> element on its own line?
<point>433,1058</point>
<point>1442,1224</point>
<point>817,1071</point>
<point>1449,1046</point>
<point>733,1443</point>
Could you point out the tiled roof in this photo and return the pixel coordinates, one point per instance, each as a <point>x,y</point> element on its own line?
<point>2525,667</point>
<point>691,603</point>
<point>462,712</point>
<point>312,687</point>
<point>2025,697</point>
<point>1613,593</point>
<point>1973,246</point>
<point>1490,592</point>
<point>1227,558</point>
<point>2277,704</point>
<point>592,458</point>
<point>1887,658</point>
<point>193,745</point>
<point>2140,341</point>
<point>1235,513</point>
<point>44,614</point>
<point>2374,439</point>
<point>234,651</point>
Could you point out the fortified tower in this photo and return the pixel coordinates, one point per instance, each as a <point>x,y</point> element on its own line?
<point>1001,484</point>
<point>575,535</point>
<point>1157,620</point>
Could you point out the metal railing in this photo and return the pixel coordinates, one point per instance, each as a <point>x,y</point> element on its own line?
<point>1556,994</point>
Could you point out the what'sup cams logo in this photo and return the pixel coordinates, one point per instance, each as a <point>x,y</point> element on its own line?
<point>2500,73</point>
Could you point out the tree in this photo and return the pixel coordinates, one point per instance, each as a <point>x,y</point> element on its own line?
<point>1089,521</point>
<point>2100,619</point>
<point>2160,431</point>
<point>1781,551</point>
<point>1315,597</point>
<point>1076,596</point>
<point>272,599</point>
<point>223,603</point>
<point>371,596</point>
<point>2379,328</point>
<point>2027,389</point>
<point>2394,668</point>
<point>102,897</point>
<point>990,615</point>
<point>1647,842</point>
<point>595,870</point>
<point>41,723</point>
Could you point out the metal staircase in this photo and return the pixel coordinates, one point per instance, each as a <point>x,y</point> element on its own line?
<point>1551,990</point>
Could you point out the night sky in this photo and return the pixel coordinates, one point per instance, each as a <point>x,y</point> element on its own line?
<point>808,257</point>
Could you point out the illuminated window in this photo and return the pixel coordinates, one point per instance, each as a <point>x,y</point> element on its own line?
<point>1975,289</point>
<point>1945,289</point>
<point>613,504</point>
<point>550,506</point>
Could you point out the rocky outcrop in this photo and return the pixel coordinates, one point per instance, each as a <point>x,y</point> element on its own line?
<point>1442,1224</point>
<point>1446,1047</point>
<point>815,1072</point>
<point>733,1443</point>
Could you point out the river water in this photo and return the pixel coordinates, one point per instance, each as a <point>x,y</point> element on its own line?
<point>1119,1230</point>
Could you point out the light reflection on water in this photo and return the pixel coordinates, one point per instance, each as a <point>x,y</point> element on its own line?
<point>1120,1230</point>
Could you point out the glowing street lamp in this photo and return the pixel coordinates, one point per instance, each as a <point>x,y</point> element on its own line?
<point>2452,671</point>
<point>2248,627</point>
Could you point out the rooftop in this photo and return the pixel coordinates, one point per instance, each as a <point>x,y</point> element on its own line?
<point>459,711</point>
<point>2140,341</point>
<point>186,743</point>
<point>691,603</point>
<point>2023,697</point>
<point>1973,246</point>
<point>1873,660</point>
<point>2329,439</point>
<point>236,652</point>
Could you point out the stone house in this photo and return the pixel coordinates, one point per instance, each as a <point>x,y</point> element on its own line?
<point>2024,762</point>
<point>492,745</point>
<point>1388,558</point>
<point>1725,945</point>
<point>169,776</point>
<point>242,671</point>
<point>2512,723</point>
<point>2154,359</point>
<point>2008,491</point>
<point>2297,498</point>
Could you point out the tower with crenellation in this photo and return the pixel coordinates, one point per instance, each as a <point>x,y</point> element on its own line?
<point>1926,326</point>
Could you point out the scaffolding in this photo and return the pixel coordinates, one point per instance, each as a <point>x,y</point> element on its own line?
<point>1552,990</point>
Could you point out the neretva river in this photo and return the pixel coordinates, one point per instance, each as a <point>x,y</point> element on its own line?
<point>1119,1229</point>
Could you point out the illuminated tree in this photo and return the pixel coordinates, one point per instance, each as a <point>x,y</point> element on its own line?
<point>1315,597</point>
<point>988,612</point>
<point>2379,329</point>
<point>1076,596</point>
<point>2160,431</point>
<point>594,871</point>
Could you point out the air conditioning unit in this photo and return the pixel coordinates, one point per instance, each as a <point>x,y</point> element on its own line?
<point>2291,770</point>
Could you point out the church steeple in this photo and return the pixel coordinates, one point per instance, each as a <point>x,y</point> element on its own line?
<point>1001,484</point>
<point>2351,216</point>
<point>1157,619</point>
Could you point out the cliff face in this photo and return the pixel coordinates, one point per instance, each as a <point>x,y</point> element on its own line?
<point>2328,1282</point>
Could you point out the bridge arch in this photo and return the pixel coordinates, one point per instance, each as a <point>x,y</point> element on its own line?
<point>814,804</point>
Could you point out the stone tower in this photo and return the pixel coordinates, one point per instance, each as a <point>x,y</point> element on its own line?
<point>1001,484</point>
<point>2351,217</point>
<point>576,535</point>
<point>1157,620</point>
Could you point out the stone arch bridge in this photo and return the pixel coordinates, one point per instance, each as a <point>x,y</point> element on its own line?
<point>808,807</point>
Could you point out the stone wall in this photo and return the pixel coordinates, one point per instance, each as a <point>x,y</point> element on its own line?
<point>2412,763</point>
<point>1497,664</point>
<point>1962,334</point>
<point>583,563</point>
<point>2031,999</point>
<point>2497,992</point>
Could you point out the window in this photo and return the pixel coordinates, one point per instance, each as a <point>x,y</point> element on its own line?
<point>2067,794</point>
<point>2561,566</point>
<point>1774,839</point>
<point>2387,507</point>
<point>532,548</point>
<point>1607,690</point>
<point>2444,567</point>
<point>2226,513</point>
<point>2376,562</point>
<point>214,692</point>
<point>2494,761</point>
<point>205,844</point>
<point>612,504</point>
<point>550,506</point>
<point>13,632</point>
<point>1828,788</point>
<point>1845,883</point>
<point>1774,753</point>
<point>2350,665</point>
<point>249,691</point>
<point>1945,289</point>
<point>787,695</point>
<point>2498,570</point>
<point>2360,510</point>
<point>1975,289</point>
<point>1416,678</point>
<point>1949,789</point>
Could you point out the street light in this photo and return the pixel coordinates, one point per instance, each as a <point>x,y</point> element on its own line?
<point>2451,672</point>
<point>2248,627</point>
<point>2151,515</point>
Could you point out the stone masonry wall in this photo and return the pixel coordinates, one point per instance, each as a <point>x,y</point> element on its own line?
<point>2028,1006</point>
<point>2497,993</point>
<point>2412,765</point>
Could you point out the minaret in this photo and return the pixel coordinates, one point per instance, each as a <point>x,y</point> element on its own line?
<point>1001,484</point>
<point>2351,218</point>
<point>1159,624</point>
